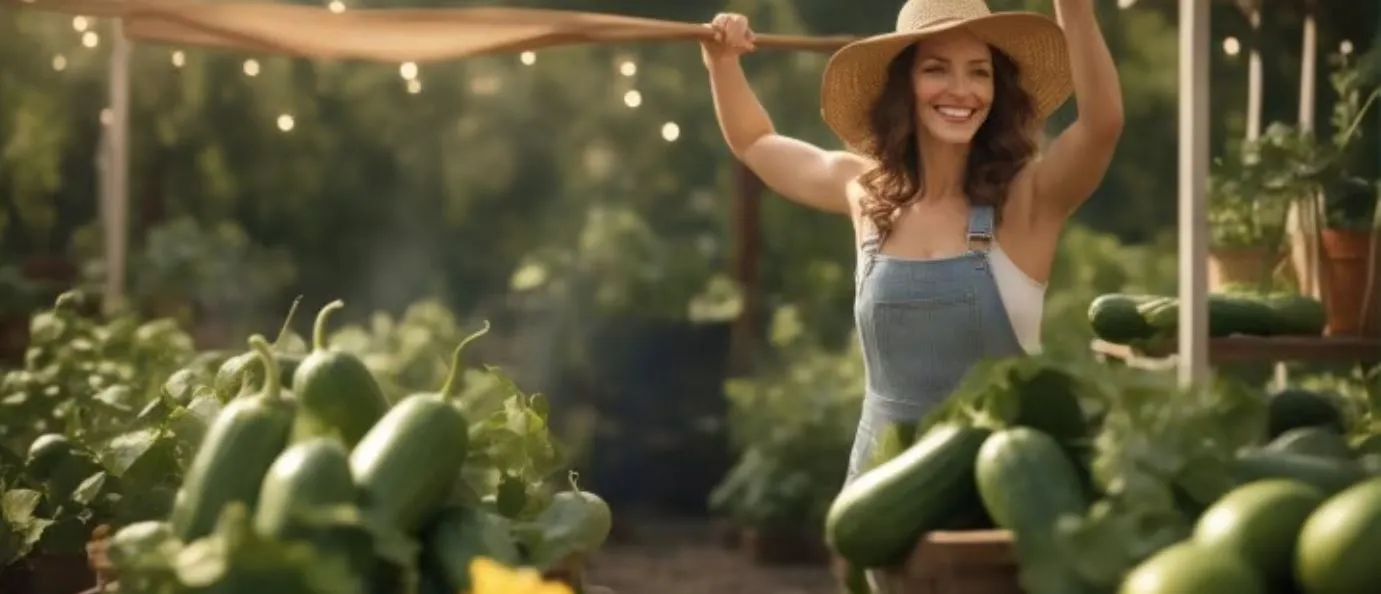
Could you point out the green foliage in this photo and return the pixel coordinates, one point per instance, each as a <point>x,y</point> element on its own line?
<point>794,427</point>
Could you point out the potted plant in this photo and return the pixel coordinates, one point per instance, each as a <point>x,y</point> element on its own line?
<point>1248,198</point>
<point>1345,214</point>
<point>1347,242</point>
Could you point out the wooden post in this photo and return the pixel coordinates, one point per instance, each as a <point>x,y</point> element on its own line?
<point>747,230</point>
<point>114,172</point>
<point>1193,176</point>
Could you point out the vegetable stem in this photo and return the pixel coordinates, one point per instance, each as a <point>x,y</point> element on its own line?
<point>319,328</point>
<point>451,388</point>
<point>287,323</point>
<point>273,388</point>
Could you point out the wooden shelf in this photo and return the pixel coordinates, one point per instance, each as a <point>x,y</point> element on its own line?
<point>1257,349</point>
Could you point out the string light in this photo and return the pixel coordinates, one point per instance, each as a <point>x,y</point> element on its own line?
<point>90,39</point>
<point>1231,46</point>
<point>79,23</point>
<point>633,98</point>
<point>670,131</point>
<point>414,86</point>
<point>336,6</point>
<point>408,70</point>
<point>285,123</point>
<point>59,62</point>
<point>1345,47</point>
<point>1125,4</point>
<point>628,68</point>
<point>528,58</point>
<point>179,59</point>
<point>251,67</point>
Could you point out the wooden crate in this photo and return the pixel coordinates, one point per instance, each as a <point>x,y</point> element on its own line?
<point>960,562</point>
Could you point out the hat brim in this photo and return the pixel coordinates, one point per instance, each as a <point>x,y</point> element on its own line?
<point>856,74</point>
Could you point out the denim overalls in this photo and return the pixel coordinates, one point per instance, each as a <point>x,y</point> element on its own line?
<point>923,324</point>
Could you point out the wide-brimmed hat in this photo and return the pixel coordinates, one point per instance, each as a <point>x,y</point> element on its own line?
<point>856,74</point>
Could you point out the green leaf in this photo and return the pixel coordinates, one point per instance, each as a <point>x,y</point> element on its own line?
<point>19,506</point>
<point>89,489</point>
<point>234,558</point>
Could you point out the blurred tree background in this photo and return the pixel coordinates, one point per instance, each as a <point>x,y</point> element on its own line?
<point>550,192</point>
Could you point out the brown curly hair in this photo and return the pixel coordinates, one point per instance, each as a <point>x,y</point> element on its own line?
<point>1000,148</point>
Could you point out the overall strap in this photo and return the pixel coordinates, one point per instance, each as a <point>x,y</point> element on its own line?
<point>980,234</point>
<point>870,246</point>
<point>980,228</point>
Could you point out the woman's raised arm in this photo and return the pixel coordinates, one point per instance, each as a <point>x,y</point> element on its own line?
<point>800,171</point>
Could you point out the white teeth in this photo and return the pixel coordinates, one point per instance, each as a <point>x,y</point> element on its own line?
<point>954,112</point>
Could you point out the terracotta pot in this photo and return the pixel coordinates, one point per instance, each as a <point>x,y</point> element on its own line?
<point>1240,266</point>
<point>1347,267</point>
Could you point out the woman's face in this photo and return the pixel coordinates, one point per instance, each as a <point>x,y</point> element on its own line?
<point>953,82</point>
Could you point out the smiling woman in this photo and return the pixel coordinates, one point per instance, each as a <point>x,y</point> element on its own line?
<point>955,214</point>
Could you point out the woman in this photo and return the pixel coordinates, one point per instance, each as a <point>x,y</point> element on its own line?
<point>955,214</point>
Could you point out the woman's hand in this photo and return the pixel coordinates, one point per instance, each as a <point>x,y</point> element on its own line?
<point>732,38</point>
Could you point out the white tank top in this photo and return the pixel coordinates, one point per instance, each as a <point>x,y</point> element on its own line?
<point>1022,297</point>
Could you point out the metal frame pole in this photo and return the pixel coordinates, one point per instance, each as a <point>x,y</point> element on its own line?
<point>1193,176</point>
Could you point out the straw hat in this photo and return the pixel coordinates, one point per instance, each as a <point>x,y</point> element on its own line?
<point>856,74</point>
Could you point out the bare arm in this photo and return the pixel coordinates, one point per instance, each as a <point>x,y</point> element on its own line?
<point>1077,159</point>
<point>800,171</point>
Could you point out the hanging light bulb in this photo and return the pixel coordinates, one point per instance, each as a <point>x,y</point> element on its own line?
<point>670,131</point>
<point>107,116</point>
<point>633,98</point>
<point>528,58</point>
<point>414,86</point>
<point>59,62</point>
<point>251,67</point>
<point>336,6</point>
<point>628,68</point>
<point>408,70</point>
<point>80,23</point>
<point>285,123</point>
<point>90,39</point>
<point>1345,47</point>
<point>1231,46</point>
<point>179,59</point>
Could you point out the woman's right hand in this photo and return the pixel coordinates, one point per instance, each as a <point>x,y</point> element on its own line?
<point>732,38</point>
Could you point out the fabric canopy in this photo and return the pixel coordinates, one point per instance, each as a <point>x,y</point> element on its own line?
<point>385,35</point>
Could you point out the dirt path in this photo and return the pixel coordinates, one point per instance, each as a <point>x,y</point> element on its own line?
<point>686,557</point>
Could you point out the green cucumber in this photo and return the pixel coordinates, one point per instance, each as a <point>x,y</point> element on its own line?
<point>877,519</point>
<point>237,451</point>
<point>1338,545</point>
<point>1312,441</point>
<point>1028,483</point>
<point>243,372</point>
<point>1190,568</point>
<point>1114,318</point>
<point>337,395</point>
<point>575,523</point>
<point>1293,408</point>
<point>1327,475</point>
<point>307,476</point>
<point>1260,522</point>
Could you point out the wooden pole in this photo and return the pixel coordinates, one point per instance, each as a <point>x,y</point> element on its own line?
<point>1193,175</point>
<point>747,230</point>
<point>114,171</point>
